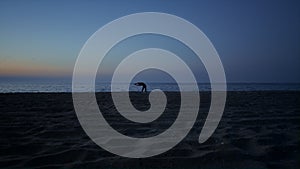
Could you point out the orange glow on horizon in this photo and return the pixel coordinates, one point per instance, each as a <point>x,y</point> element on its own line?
<point>25,68</point>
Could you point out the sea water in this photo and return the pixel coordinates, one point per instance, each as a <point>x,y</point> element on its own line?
<point>41,85</point>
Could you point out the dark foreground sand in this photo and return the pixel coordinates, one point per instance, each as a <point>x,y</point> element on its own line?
<point>258,130</point>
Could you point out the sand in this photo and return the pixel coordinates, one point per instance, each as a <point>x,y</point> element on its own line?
<point>258,130</point>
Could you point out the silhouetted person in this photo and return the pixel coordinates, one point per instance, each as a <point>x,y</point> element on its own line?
<point>142,84</point>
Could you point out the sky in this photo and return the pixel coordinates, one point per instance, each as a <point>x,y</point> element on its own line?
<point>257,41</point>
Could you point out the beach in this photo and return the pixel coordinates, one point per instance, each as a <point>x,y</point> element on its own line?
<point>259,129</point>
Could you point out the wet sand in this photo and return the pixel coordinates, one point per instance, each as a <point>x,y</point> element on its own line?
<point>258,130</point>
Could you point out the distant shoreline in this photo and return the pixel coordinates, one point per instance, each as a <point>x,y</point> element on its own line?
<point>107,92</point>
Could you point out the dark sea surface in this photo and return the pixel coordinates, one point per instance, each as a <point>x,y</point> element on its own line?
<point>59,86</point>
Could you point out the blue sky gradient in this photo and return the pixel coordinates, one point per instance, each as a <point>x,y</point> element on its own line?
<point>258,41</point>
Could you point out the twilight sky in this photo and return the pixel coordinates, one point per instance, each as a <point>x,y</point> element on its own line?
<point>258,41</point>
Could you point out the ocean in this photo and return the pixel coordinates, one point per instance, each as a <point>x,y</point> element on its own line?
<point>62,86</point>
